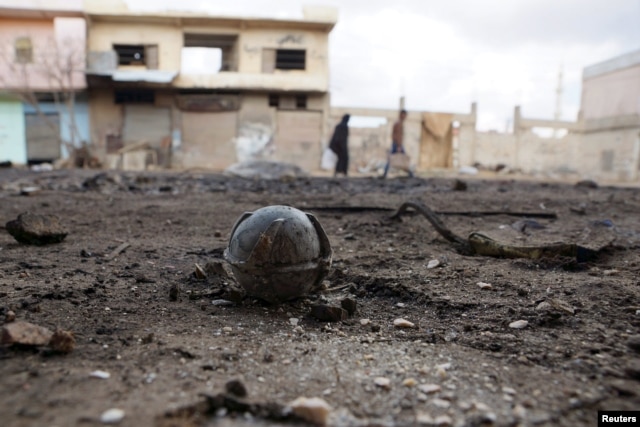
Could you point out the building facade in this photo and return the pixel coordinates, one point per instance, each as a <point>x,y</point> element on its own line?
<point>206,92</point>
<point>43,103</point>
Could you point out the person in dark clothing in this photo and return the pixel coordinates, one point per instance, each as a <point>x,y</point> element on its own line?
<point>339,145</point>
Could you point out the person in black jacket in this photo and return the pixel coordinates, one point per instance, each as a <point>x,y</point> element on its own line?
<point>339,145</point>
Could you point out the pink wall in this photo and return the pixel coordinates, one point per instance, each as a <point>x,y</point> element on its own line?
<point>58,46</point>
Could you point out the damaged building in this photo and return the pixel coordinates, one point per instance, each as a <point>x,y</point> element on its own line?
<point>43,100</point>
<point>196,91</point>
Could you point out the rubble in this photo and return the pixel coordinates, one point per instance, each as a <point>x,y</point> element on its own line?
<point>35,229</point>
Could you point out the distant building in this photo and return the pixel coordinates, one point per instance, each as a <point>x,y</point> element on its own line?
<point>200,91</point>
<point>610,115</point>
<point>43,104</point>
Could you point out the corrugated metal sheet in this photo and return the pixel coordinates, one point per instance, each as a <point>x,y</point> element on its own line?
<point>207,139</point>
<point>298,138</point>
<point>146,123</point>
<point>43,137</point>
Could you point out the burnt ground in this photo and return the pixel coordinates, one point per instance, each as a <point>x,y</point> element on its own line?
<point>576,355</point>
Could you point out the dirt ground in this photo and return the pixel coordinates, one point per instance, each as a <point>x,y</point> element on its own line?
<point>162,335</point>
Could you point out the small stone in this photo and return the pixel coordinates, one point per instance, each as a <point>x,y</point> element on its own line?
<point>62,341</point>
<point>403,323</point>
<point>425,419</point>
<point>433,264</point>
<point>633,342</point>
<point>294,321</point>
<point>222,302</point>
<point>612,272</point>
<point>508,390</point>
<point>483,285</point>
<point>365,322</point>
<point>227,329</point>
<point>102,375</point>
<point>518,324</point>
<point>441,403</point>
<point>409,382</point>
<point>314,410</point>
<point>112,416</point>
<point>561,305</point>
<point>482,407</point>
<point>383,382</point>
<point>236,388</point>
<point>25,333</point>
<point>10,317</point>
<point>429,388</point>
<point>35,229</point>
<point>327,313</point>
<point>519,412</point>
<point>543,306</point>
<point>217,233</point>
<point>400,305</point>
<point>174,292</point>
<point>587,183</point>
<point>443,421</point>
<point>350,305</point>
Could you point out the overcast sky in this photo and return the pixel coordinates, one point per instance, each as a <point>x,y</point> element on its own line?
<point>444,55</point>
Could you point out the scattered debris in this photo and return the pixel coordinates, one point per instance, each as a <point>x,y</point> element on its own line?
<point>480,244</point>
<point>327,313</point>
<point>483,285</point>
<point>35,229</point>
<point>350,305</point>
<point>403,323</point>
<point>365,322</point>
<point>410,382</point>
<point>314,410</point>
<point>29,191</point>
<point>587,183</point>
<point>112,416</point>
<point>102,375</point>
<point>459,185</point>
<point>222,302</point>
<point>117,251</point>
<point>174,292</point>
<point>262,169</point>
<point>25,333</point>
<point>518,324</point>
<point>433,264</point>
<point>429,388</point>
<point>236,388</point>
<point>523,225</point>
<point>199,273</point>
<point>62,341</point>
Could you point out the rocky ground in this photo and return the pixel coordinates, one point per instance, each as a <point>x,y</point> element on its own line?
<point>484,341</point>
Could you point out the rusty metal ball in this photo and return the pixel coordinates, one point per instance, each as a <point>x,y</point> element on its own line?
<point>278,253</point>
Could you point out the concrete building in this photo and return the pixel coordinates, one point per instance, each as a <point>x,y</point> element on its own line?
<point>603,144</point>
<point>43,107</point>
<point>198,91</point>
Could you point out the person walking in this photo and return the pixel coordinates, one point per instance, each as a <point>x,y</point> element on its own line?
<point>339,145</point>
<point>397,141</point>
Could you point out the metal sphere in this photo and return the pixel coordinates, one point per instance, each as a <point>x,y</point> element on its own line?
<point>278,253</point>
